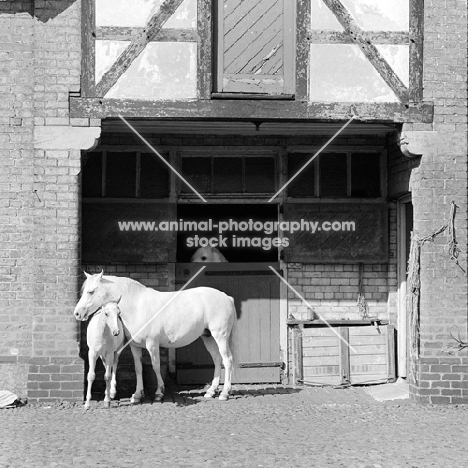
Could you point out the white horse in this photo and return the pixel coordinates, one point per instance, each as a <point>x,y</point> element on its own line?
<point>169,319</point>
<point>105,337</point>
<point>207,254</point>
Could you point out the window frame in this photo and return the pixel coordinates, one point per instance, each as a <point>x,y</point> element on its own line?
<point>349,150</point>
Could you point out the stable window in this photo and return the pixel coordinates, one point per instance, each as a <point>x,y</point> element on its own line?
<point>135,174</point>
<point>336,174</point>
<point>215,175</point>
<point>255,47</point>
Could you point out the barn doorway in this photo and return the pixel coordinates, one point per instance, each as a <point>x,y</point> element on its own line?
<point>246,277</point>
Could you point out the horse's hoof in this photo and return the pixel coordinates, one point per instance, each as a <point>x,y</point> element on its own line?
<point>158,398</point>
<point>106,404</point>
<point>86,406</point>
<point>223,397</point>
<point>209,394</point>
<point>112,394</point>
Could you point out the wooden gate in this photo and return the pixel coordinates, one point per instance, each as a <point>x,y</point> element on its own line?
<point>257,346</point>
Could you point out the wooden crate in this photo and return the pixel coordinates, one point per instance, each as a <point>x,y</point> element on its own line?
<point>326,359</point>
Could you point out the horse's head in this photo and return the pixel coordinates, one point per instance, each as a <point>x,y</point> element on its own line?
<point>207,254</point>
<point>94,296</point>
<point>111,313</point>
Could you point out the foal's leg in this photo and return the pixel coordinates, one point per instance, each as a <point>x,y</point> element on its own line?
<point>212,348</point>
<point>153,350</point>
<point>223,344</point>
<point>139,392</point>
<point>92,357</point>
<point>113,389</point>
<point>107,361</point>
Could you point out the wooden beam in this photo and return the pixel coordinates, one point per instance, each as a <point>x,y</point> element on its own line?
<point>361,38</point>
<point>247,110</point>
<point>137,45</point>
<point>416,50</point>
<point>324,36</point>
<point>88,66</point>
<point>302,49</point>
<point>205,41</point>
<point>118,33</point>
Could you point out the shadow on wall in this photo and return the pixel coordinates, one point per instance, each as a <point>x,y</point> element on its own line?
<point>43,10</point>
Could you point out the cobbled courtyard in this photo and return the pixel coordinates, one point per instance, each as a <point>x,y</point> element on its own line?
<point>257,427</point>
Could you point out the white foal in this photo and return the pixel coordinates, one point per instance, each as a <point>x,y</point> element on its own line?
<point>105,337</point>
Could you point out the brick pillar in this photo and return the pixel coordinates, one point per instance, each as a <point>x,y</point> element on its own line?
<point>440,179</point>
<point>55,368</point>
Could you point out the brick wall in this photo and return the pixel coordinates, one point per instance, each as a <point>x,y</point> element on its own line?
<point>40,44</point>
<point>440,178</point>
<point>17,199</point>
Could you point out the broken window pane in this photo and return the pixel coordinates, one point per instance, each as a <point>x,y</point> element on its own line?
<point>137,13</point>
<point>341,72</point>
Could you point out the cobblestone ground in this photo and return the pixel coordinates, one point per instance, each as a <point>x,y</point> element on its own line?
<point>257,427</point>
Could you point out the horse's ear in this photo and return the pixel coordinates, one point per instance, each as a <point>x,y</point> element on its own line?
<point>87,275</point>
<point>100,274</point>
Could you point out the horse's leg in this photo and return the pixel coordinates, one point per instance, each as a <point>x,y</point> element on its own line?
<point>113,389</point>
<point>212,348</point>
<point>153,350</point>
<point>139,392</point>
<point>107,361</point>
<point>223,344</point>
<point>92,357</point>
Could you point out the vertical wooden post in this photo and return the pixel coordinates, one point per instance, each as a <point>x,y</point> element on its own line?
<point>302,49</point>
<point>391,352</point>
<point>88,38</point>
<point>204,46</point>
<point>345,370</point>
<point>416,27</point>
<point>297,355</point>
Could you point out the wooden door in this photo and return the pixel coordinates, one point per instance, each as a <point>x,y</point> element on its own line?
<point>257,346</point>
<point>255,46</point>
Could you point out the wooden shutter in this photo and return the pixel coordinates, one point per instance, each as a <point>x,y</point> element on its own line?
<point>255,41</point>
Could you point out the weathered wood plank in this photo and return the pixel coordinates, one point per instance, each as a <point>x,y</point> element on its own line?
<point>325,36</point>
<point>138,44</point>
<point>88,48</point>
<point>361,38</point>
<point>205,65</point>
<point>302,49</point>
<point>416,50</point>
<point>391,371</point>
<point>298,370</point>
<point>344,352</point>
<point>265,110</point>
<point>119,33</point>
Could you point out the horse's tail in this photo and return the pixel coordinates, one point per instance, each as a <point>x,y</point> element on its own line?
<point>232,338</point>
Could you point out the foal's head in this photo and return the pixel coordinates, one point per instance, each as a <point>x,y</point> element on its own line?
<point>111,313</point>
<point>94,296</point>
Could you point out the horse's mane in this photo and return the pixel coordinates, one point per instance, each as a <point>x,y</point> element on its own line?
<point>124,281</point>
